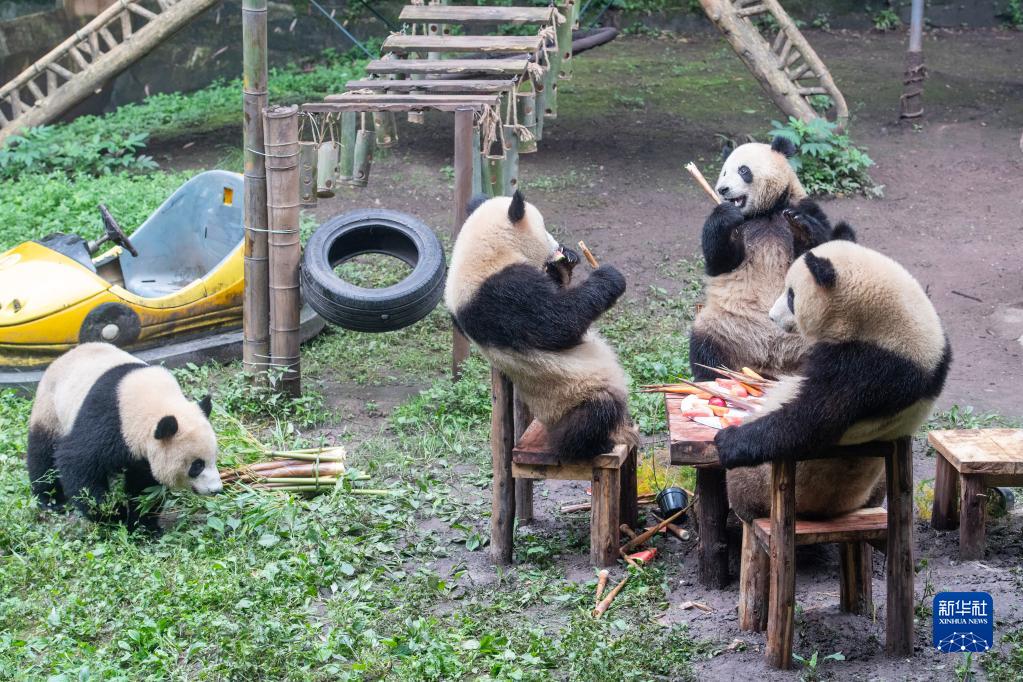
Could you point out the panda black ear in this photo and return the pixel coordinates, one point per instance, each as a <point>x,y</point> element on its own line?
<point>517,208</point>
<point>726,150</point>
<point>166,427</point>
<point>206,405</point>
<point>844,231</point>
<point>475,203</point>
<point>822,270</point>
<point>783,145</point>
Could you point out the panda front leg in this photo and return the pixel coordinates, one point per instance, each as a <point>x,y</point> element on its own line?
<point>42,474</point>
<point>723,248</point>
<point>137,477</point>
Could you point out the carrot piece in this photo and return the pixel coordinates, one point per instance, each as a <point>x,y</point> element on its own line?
<point>751,374</point>
<point>718,410</point>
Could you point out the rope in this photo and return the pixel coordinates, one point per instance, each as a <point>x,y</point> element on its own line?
<point>492,130</point>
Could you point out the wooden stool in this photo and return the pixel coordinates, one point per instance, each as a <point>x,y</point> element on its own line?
<point>612,476</point>
<point>778,534</point>
<point>968,463</point>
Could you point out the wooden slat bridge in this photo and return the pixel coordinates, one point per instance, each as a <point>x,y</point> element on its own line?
<point>123,33</point>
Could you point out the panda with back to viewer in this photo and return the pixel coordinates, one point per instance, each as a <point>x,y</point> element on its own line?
<point>750,239</point>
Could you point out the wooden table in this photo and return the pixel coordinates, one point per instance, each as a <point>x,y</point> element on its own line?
<point>692,444</point>
<point>968,463</point>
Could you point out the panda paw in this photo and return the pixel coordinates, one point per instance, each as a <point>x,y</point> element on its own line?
<point>611,281</point>
<point>726,215</point>
<point>735,449</point>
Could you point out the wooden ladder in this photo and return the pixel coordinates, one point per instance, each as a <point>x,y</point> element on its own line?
<point>766,39</point>
<point>120,35</point>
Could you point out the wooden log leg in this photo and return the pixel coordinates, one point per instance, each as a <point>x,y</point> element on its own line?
<point>502,431</point>
<point>604,520</point>
<point>523,486</point>
<point>856,591</point>
<point>754,573</point>
<point>629,504</point>
<point>972,505</point>
<point>899,606</point>
<point>782,600</point>
<point>944,514</point>
<point>711,515</point>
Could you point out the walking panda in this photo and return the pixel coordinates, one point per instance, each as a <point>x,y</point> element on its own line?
<point>749,241</point>
<point>877,360</point>
<point>508,290</point>
<point>99,412</point>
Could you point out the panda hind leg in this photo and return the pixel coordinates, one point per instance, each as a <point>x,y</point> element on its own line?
<point>588,429</point>
<point>42,474</point>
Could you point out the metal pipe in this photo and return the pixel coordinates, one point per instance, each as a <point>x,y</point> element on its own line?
<point>916,26</point>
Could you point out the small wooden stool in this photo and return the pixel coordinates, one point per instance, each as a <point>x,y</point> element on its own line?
<point>968,463</point>
<point>612,476</point>
<point>779,534</point>
<point>854,532</point>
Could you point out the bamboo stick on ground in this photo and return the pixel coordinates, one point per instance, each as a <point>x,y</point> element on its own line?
<point>606,601</point>
<point>640,539</point>
<point>601,583</point>
<point>702,182</point>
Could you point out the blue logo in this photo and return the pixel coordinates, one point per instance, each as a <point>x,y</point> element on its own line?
<point>964,622</point>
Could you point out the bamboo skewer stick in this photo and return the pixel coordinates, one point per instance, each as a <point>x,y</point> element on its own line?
<point>702,182</point>
<point>601,583</point>
<point>589,255</point>
<point>643,537</point>
<point>606,601</point>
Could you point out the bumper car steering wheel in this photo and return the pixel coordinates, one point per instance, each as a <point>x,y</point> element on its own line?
<point>114,232</point>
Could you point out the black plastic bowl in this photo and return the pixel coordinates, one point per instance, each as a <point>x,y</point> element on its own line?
<point>671,501</point>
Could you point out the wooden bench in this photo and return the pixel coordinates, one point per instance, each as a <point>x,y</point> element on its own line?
<point>612,477</point>
<point>775,576</point>
<point>968,463</point>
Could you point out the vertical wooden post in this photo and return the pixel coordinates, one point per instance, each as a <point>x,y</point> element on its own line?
<point>899,606</point>
<point>856,592</point>
<point>711,515</point>
<point>285,248</point>
<point>782,600</point>
<point>629,503</point>
<point>463,162</point>
<point>502,432</point>
<point>911,102</point>
<point>256,297</point>
<point>754,573</point>
<point>945,510</point>
<point>604,516</point>
<point>972,505</point>
<point>523,486</point>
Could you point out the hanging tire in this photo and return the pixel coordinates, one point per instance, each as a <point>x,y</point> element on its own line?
<point>373,231</point>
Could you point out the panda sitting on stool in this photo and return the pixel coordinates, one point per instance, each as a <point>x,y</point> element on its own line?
<point>749,241</point>
<point>99,412</point>
<point>508,290</point>
<point>877,360</point>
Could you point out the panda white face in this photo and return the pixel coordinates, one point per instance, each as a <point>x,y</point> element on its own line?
<point>783,312</point>
<point>754,177</point>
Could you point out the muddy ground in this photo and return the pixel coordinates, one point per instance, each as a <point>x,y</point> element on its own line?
<point>609,171</point>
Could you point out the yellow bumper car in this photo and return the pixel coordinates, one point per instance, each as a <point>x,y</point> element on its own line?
<point>170,293</point>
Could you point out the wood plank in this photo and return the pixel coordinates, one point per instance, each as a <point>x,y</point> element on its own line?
<point>981,451</point>
<point>754,574</point>
<point>445,85</point>
<point>944,509</point>
<point>712,518</point>
<point>462,14</point>
<point>510,67</point>
<point>782,599</point>
<point>534,450</point>
<point>502,437</point>
<point>856,589</point>
<point>403,44</point>
<point>523,417</point>
<point>899,563</point>
<point>604,516</point>
<point>861,525</point>
<point>374,98</point>
<point>337,107</point>
<point>972,508</point>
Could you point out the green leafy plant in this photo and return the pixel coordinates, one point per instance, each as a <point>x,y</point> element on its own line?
<point>822,21</point>
<point>827,161</point>
<point>888,20</point>
<point>811,666</point>
<point>45,149</point>
<point>1013,14</point>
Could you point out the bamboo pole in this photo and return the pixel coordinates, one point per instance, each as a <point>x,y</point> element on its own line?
<point>349,130</point>
<point>256,297</point>
<point>464,151</point>
<point>285,248</point>
<point>911,102</point>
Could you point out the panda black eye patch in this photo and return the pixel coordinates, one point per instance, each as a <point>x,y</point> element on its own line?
<point>792,301</point>
<point>196,468</point>
<point>746,174</point>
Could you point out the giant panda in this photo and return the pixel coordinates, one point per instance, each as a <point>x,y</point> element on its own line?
<point>877,360</point>
<point>508,289</point>
<point>749,240</point>
<point>99,412</point>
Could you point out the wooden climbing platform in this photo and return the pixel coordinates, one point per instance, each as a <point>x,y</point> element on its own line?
<point>123,33</point>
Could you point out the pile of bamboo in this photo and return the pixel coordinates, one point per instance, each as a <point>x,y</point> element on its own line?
<point>315,470</point>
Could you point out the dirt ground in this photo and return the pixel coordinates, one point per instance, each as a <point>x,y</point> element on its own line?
<point>609,171</point>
